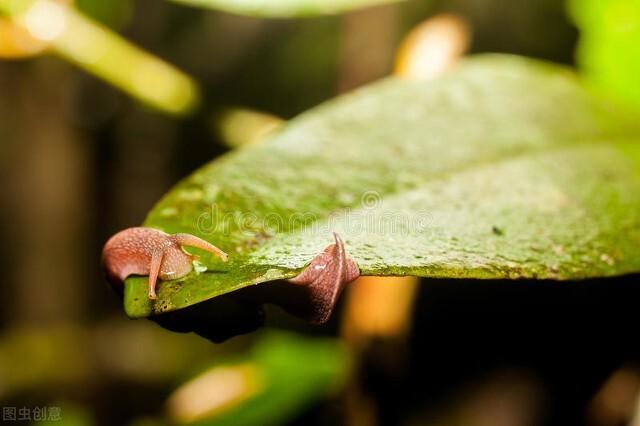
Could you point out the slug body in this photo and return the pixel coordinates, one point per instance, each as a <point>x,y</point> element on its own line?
<point>148,251</point>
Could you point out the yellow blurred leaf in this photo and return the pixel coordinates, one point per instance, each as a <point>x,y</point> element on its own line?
<point>99,51</point>
<point>432,47</point>
<point>17,42</point>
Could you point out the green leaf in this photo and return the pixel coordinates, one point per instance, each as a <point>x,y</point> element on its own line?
<point>285,8</point>
<point>609,47</point>
<point>504,168</point>
<point>291,373</point>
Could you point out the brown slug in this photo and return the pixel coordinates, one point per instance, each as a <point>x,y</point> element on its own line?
<point>325,278</point>
<point>148,251</point>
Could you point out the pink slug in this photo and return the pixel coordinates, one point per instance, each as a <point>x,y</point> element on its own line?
<point>148,251</point>
<point>325,277</point>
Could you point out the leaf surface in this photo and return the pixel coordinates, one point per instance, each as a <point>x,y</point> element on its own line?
<point>505,168</point>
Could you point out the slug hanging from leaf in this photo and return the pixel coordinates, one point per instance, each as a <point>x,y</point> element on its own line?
<point>325,278</point>
<point>148,251</point>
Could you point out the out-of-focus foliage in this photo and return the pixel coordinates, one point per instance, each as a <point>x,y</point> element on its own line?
<point>239,126</point>
<point>432,47</point>
<point>31,359</point>
<point>483,192</point>
<point>55,357</point>
<point>609,49</point>
<point>281,376</point>
<point>71,414</point>
<point>285,8</point>
<point>113,13</point>
<point>102,52</point>
<point>16,41</point>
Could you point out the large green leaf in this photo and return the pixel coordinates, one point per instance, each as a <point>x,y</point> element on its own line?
<point>285,8</point>
<point>505,168</point>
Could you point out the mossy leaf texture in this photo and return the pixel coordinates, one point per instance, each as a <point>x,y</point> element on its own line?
<point>504,168</point>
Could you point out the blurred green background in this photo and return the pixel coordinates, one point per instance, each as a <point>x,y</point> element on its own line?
<point>88,143</point>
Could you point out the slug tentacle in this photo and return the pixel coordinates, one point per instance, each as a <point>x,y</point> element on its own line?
<point>147,251</point>
<point>193,241</point>
<point>154,270</point>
